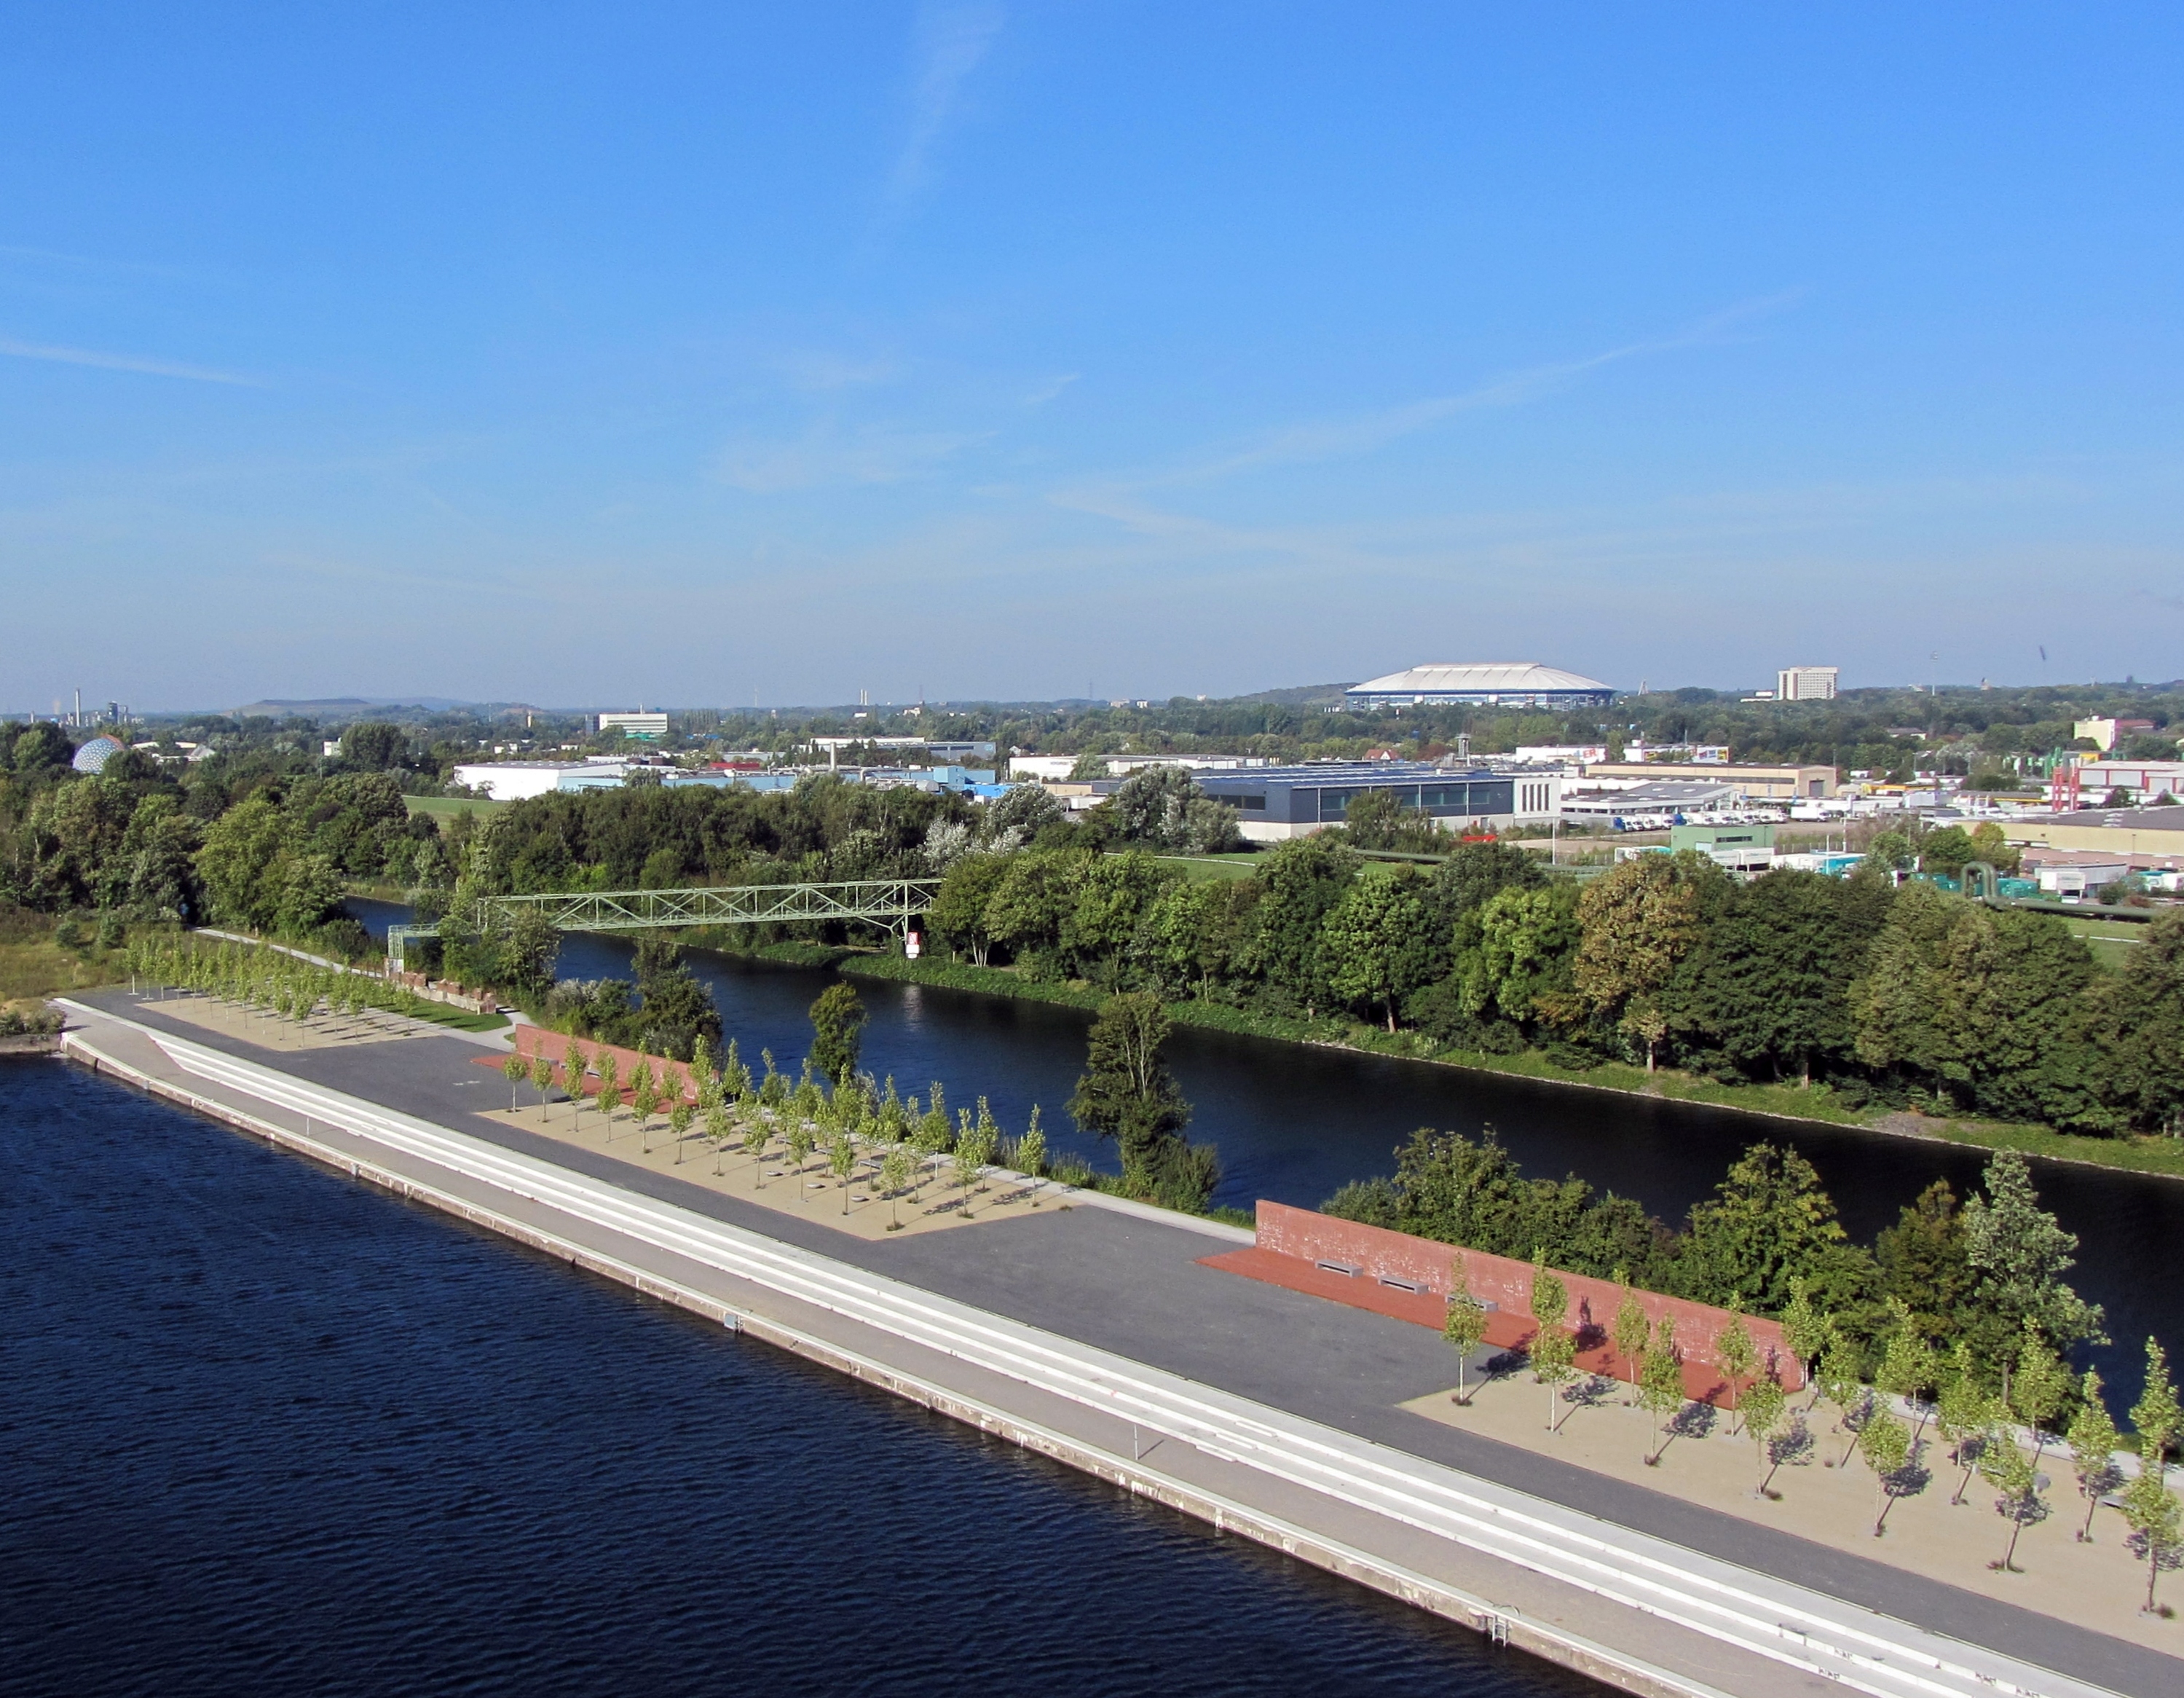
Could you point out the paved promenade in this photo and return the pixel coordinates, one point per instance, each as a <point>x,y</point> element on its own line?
<point>1095,1335</point>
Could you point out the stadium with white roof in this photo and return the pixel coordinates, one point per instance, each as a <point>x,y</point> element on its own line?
<point>1499,684</point>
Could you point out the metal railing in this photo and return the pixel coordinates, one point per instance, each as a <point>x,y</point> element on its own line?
<point>894,901</point>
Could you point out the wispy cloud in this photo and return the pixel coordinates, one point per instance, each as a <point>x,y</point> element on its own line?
<point>124,362</point>
<point>813,370</point>
<point>950,41</point>
<point>1342,439</point>
<point>827,457</point>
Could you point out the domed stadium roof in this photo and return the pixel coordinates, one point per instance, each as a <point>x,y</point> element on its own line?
<point>1488,681</point>
<point>93,756</point>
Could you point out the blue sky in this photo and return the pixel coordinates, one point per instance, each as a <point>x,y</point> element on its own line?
<point>691,354</point>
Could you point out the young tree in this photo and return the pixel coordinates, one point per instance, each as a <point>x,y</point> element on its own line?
<point>842,1162</point>
<point>1031,1149</point>
<point>542,1077</point>
<point>1968,1414</point>
<point>1885,1444</point>
<point>678,1123</point>
<point>608,1093</point>
<point>1661,1385</point>
<point>2155,1416</point>
<point>2093,1439</point>
<point>1552,1349</point>
<point>716,1129</point>
<point>1908,1368</point>
<point>757,1134</point>
<point>838,1024</point>
<point>1765,1407</point>
<point>1631,1334</point>
<point>2009,1471</point>
<point>1804,1328</point>
<point>935,1132</point>
<point>643,1099</point>
<point>514,1069</point>
<point>1465,1329</point>
<point>895,1170</point>
<point>573,1064</point>
<point>800,1145</point>
<point>2151,1510</point>
<point>969,1164</point>
<point>1734,1356</point>
<point>2040,1386</point>
<point>1840,1386</point>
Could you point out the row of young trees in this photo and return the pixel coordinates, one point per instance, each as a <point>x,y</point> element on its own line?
<point>1905,994</point>
<point>278,988</point>
<point>1883,1407</point>
<point>853,1121</point>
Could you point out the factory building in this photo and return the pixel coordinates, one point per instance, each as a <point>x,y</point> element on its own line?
<point>1276,803</point>
<point>1496,683</point>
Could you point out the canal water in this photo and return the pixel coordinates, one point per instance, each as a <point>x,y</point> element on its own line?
<point>1293,1122</point>
<point>269,1431</point>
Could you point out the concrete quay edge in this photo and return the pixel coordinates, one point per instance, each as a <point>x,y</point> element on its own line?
<point>1500,1622</point>
<point>1877,1661</point>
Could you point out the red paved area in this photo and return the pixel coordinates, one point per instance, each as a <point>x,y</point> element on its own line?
<point>1504,1332</point>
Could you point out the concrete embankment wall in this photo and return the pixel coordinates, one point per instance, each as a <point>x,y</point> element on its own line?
<point>1502,1624</point>
<point>1623,1607</point>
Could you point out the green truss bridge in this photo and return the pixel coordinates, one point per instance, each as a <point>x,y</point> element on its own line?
<point>893,902</point>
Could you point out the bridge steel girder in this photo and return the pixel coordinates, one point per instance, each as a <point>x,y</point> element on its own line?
<point>892,900</point>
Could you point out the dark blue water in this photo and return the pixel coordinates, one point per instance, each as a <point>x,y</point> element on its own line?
<point>266,1431</point>
<point>1294,1122</point>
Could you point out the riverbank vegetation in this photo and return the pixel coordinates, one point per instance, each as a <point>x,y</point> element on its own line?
<point>1834,999</point>
<point>1855,995</point>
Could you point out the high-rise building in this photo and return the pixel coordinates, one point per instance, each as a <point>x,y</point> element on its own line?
<point>1806,683</point>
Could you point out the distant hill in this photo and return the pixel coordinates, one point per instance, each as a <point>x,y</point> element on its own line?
<point>1299,696</point>
<point>341,706</point>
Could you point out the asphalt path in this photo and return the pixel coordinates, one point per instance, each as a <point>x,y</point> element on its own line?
<point>1136,1287</point>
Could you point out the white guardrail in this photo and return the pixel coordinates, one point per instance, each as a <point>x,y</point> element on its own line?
<point>1790,1624</point>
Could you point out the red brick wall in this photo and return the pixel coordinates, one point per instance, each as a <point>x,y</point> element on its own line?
<point>1375,1252</point>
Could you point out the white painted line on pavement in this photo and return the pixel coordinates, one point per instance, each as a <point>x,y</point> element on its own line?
<point>1790,1624</point>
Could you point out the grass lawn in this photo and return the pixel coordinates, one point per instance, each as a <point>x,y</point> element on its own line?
<point>2113,941</point>
<point>31,964</point>
<point>447,806</point>
<point>1204,869</point>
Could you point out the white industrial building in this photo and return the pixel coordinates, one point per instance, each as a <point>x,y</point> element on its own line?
<point>647,727</point>
<point>517,781</point>
<point>1806,683</point>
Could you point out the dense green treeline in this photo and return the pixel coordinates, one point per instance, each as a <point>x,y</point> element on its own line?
<point>1973,1270</point>
<point>1875,993</point>
<point>150,841</point>
<point>1880,994</point>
